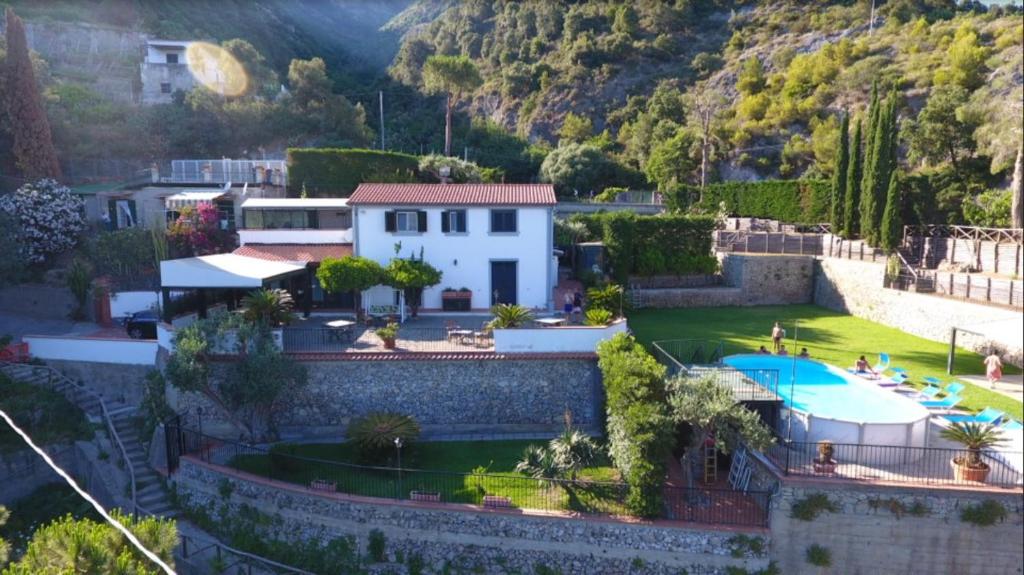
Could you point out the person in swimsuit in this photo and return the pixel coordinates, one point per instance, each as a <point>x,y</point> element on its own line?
<point>993,369</point>
<point>782,350</point>
<point>804,354</point>
<point>763,351</point>
<point>864,367</point>
<point>777,334</point>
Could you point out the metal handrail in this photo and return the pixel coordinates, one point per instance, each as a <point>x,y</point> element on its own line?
<point>51,372</point>
<point>904,263</point>
<point>262,561</point>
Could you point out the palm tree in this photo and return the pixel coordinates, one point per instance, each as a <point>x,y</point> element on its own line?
<point>268,307</point>
<point>538,462</point>
<point>975,437</point>
<point>510,316</point>
<point>572,451</point>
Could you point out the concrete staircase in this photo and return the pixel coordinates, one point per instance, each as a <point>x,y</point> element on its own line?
<point>150,493</point>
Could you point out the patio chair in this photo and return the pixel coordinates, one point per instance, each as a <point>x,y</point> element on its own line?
<point>484,337</point>
<point>449,327</point>
<point>883,363</point>
<point>932,380</point>
<point>954,388</point>
<point>989,415</point>
<point>930,392</point>
<point>946,403</point>
<point>1012,425</point>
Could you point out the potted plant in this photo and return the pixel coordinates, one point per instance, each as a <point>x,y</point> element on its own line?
<point>975,437</point>
<point>388,334</point>
<point>824,463</point>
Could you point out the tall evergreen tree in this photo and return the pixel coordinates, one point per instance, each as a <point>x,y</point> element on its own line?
<point>868,175</point>
<point>32,141</point>
<point>889,232</point>
<point>840,175</point>
<point>851,211</point>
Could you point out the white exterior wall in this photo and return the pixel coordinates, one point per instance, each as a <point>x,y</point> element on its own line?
<point>555,339</point>
<point>281,236</point>
<point>473,251</point>
<point>123,351</point>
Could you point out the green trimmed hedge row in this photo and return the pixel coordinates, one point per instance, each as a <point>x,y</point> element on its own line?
<point>654,245</point>
<point>335,172</point>
<point>640,430</point>
<point>791,201</point>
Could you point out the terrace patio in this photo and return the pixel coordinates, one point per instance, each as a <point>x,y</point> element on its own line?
<point>426,333</point>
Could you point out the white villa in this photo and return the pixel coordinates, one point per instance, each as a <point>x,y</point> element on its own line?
<point>494,239</point>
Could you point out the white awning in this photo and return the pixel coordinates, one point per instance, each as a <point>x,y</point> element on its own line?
<point>182,199</point>
<point>223,271</point>
<point>295,203</point>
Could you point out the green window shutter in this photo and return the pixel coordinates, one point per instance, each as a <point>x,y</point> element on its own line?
<point>421,224</point>
<point>389,221</point>
<point>445,224</point>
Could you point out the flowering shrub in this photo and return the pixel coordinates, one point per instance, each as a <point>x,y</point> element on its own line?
<point>197,232</point>
<point>49,218</point>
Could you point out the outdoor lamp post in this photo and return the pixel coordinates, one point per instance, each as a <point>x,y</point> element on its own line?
<point>398,449</point>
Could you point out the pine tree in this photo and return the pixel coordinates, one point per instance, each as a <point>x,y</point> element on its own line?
<point>839,177</point>
<point>851,211</point>
<point>889,233</point>
<point>32,141</point>
<point>868,175</point>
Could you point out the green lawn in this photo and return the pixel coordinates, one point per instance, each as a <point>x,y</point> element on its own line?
<point>436,467</point>
<point>829,336</point>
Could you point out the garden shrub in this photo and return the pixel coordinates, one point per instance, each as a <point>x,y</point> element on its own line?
<point>793,201</point>
<point>376,546</point>
<point>808,508</point>
<point>639,428</point>
<point>335,172</point>
<point>819,556</point>
<point>653,245</point>
<point>983,514</point>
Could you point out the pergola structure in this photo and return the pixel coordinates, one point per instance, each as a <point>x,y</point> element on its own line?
<point>229,272</point>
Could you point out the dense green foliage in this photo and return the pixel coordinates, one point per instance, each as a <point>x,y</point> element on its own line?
<point>795,201</point>
<point>335,172</point>
<point>639,425</point>
<point>44,505</point>
<point>412,276</point>
<point>842,167</point>
<point>87,546</point>
<point>851,199</point>
<point>350,274</point>
<point>891,230</point>
<point>46,415</point>
<point>653,245</point>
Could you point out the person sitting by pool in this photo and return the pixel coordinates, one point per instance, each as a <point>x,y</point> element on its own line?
<point>763,351</point>
<point>864,367</point>
<point>782,350</point>
<point>804,354</point>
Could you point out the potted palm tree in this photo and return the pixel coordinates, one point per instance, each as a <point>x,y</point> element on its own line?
<point>824,462</point>
<point>975,437</point>
<point>388,334</point>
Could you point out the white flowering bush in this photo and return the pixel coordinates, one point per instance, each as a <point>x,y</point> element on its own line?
<point>49,217</point>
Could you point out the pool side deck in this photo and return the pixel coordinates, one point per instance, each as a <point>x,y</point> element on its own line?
<point>743,387</point>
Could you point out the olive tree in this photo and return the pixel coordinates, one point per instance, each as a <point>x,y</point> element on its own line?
<point>349,274</point>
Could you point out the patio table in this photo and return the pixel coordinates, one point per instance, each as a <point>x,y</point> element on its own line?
<point>340,329</point>
<point>550,321</point>
<point>461,334</point>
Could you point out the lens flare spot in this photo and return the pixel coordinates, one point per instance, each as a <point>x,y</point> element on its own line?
<point>216,69</point>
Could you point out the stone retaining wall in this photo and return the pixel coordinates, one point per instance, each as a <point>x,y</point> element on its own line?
<point>749,280</point>
<point>444,396</point>
<point>855,287</point>
<point>866,537</point>
<point>492,540</point>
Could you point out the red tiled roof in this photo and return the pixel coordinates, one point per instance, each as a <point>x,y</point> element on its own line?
<point>454,194</point>
<point>294,252</point>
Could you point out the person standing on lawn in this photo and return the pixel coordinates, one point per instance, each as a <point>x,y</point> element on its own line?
<point>993,369</point>
<point>777,334</point>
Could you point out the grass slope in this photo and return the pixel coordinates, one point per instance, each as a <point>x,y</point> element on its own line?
<point>437,467</point>
<point>829,336</point>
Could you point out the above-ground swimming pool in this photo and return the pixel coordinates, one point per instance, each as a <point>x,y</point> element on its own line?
<point>829,403</point>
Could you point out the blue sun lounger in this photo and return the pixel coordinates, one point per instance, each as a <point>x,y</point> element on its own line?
<point>954,388</point>
<point>989,415</point>
<point>1013,425</point>
<point>946,403</point>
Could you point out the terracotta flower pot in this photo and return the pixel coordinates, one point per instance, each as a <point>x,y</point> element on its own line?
<point>389,343</point>
<point>961,472</point>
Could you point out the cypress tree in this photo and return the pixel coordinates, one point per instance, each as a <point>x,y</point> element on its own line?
<point>851,211</point>
<point>885,158</point>
<point>30,130</point>
<point>889,232</point>
<point>868,175</point>
<point>839,177</point>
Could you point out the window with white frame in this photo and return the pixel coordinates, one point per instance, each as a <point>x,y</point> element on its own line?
<point>453,221</point>
<point>407,221</point>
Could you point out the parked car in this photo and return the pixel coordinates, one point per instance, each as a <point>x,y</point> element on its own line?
<point>142,325</point>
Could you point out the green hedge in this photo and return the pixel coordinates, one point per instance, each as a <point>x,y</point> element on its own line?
<point>791,201</point>
<point>640,430</point>
<point>335,172</point>
<point>654,245</point>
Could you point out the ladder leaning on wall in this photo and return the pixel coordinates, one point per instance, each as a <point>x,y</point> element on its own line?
<point>636,297</point>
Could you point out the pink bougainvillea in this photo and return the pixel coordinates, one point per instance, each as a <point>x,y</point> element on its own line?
<point>197,232</point>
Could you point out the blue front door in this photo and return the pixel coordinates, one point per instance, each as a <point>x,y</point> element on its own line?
<point>503,283</point>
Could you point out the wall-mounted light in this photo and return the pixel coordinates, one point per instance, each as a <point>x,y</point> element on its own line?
<point>455,262</point>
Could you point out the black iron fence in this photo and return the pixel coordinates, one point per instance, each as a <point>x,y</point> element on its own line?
<point>678,354</point>
<point>713,505</point>
<point>742,241</point>
<point>912,465</point>
<point>360,338</point>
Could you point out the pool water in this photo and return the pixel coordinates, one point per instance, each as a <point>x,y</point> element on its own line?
<point>829,392</point>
